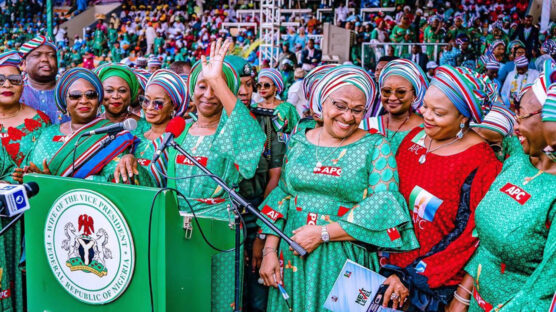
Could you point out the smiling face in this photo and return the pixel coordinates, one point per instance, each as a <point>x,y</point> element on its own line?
<point>395,86</point>
<point>82,110</point>
<point>162,115</point>
<point>10,93</point>
<point>338,121</point>
<point>117,95</point>
<point>530,130</point>
<point>442,119</point>
<point>41,64</point>
<point>266,92</point>
<point>205,100</point>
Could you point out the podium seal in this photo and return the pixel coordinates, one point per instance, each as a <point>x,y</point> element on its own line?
<point>89,246</point>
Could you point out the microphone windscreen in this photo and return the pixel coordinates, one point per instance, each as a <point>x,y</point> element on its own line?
<point>32,188</point>
<point>176,126</point>
<point>130,124</point>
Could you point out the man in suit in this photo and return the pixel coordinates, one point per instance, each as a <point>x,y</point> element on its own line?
<point>418,57</point>
<point>528,34</point>
<point>310,56</point>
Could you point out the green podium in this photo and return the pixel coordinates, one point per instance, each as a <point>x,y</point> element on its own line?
<point>87,249</point>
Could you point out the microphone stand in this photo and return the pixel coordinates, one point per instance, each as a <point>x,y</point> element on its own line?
<point>237,200</point>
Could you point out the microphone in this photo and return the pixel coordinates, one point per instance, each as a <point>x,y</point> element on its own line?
<point>129,124</point>
<point>173,130</point>
<point>15,197</point>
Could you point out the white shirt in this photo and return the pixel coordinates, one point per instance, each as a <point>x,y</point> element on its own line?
<point>296,97</point>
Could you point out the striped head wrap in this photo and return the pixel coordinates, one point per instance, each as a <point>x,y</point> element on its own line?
<point>66,81</point>
<point>521,61</point>
<point>549,107</point>
<point>142,76</point>
<point>513,44</point>
<point>174,86</point>
<point>542,83</point>
<point>338,77</point>
<point>108,70</point>
<point>313,77</point>
<point>464,90</point>
<point>275,76</point>
<point>492,64</point>
<point>10,58</point>
<point>154,61</point>
<point>549,46</point>
<point>230,74</point>
<point>410,72</point>
<point>34,43</point>
<point>496,43</point>
<point>499,119</point>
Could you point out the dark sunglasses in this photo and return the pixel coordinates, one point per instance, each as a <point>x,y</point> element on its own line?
<point>399,93</point>
<point>16,80</point>
<point>145,103</point>
<point>265,85</point>
<point>76,95</point>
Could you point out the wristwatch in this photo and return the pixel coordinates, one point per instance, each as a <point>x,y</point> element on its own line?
<point>324,234</point>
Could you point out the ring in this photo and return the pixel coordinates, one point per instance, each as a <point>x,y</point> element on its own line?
<point>394,296</point>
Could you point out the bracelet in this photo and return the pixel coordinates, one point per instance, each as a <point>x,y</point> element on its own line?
<point>461,299</point>
<point>465,289</point>
<point>269,250</point>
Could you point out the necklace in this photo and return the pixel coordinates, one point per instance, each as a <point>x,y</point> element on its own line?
<point>13,114</point>
<point>208,125</point>
<point>319,162</point>
<point>403,123</point>
<point>423,157</point>
<point>526,180</point>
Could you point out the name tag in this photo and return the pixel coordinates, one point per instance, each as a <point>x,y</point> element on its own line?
<point>515,192</point>
<point>327,170</point>
<point>182,160</point>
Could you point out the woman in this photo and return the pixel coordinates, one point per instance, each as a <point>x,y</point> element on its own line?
<point>79,93</point>
<point>142,77</point>
<point>498,50</point>
<point>269,85</point>
<point>514,267</point>
<point>165,97</point>
<point>20,124</point>
<point>121,88</point>
<point>497,125</point>
<point>338,192</point>
<point>445,170</point>
<point>402,86</point>
<point>224,138</point>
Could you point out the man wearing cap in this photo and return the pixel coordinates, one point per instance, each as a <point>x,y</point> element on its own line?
<point>295,94</point>
<point>431,69</point>
<point>154,64</point>
<point>41,65</point>
<point>516,80</point>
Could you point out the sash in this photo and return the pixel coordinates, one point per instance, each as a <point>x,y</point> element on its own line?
<point>92,153</point>
<point>160,164</point>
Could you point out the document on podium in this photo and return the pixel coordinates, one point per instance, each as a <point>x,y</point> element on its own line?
<point>355,290</point>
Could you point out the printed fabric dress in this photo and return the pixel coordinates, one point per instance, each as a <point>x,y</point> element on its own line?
<point>232,153</point>
<point>52,143</point>
<point>442,194</point>
<point>378,125</point>
<point>514,268</point>
<point>144,152</point>
<point>356,186</point>
<point>18,141</point>
<point>11,279</point>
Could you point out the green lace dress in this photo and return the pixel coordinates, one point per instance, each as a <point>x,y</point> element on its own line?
<point>356,186</point>
<point>514,268</point>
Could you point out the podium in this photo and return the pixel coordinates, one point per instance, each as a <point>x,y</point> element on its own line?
<point>87,249</point>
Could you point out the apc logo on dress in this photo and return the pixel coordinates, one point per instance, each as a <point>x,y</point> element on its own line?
<point>181,159</point>
<point>328,170</point>
<point>144,162</point>
<point>515,192</point>
<point>89,247</point>
<point>271,213</point>
<point>4,293</point>
<point>423,203</point>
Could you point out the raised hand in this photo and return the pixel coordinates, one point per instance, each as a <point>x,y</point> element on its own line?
<point>212,68</point>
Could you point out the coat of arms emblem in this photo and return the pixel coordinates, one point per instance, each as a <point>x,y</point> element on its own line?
<point>87,250</point>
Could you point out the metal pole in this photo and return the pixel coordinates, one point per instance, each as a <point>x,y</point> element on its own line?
<point>49,18</point>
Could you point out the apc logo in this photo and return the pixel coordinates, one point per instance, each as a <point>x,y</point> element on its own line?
<point>515,192</point>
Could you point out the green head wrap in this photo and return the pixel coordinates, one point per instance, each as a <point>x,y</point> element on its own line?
<point>108,70</point>
<point>230,74</point>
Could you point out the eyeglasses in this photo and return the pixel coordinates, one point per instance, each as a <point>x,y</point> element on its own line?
<point>156,104</point>
<point>521,117</point>
<point>16,80</point>
<point>265,85</point>
<point>76,95</point>
<point>356,112</point>
<point>120,91</point>
<point>399,93</point>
